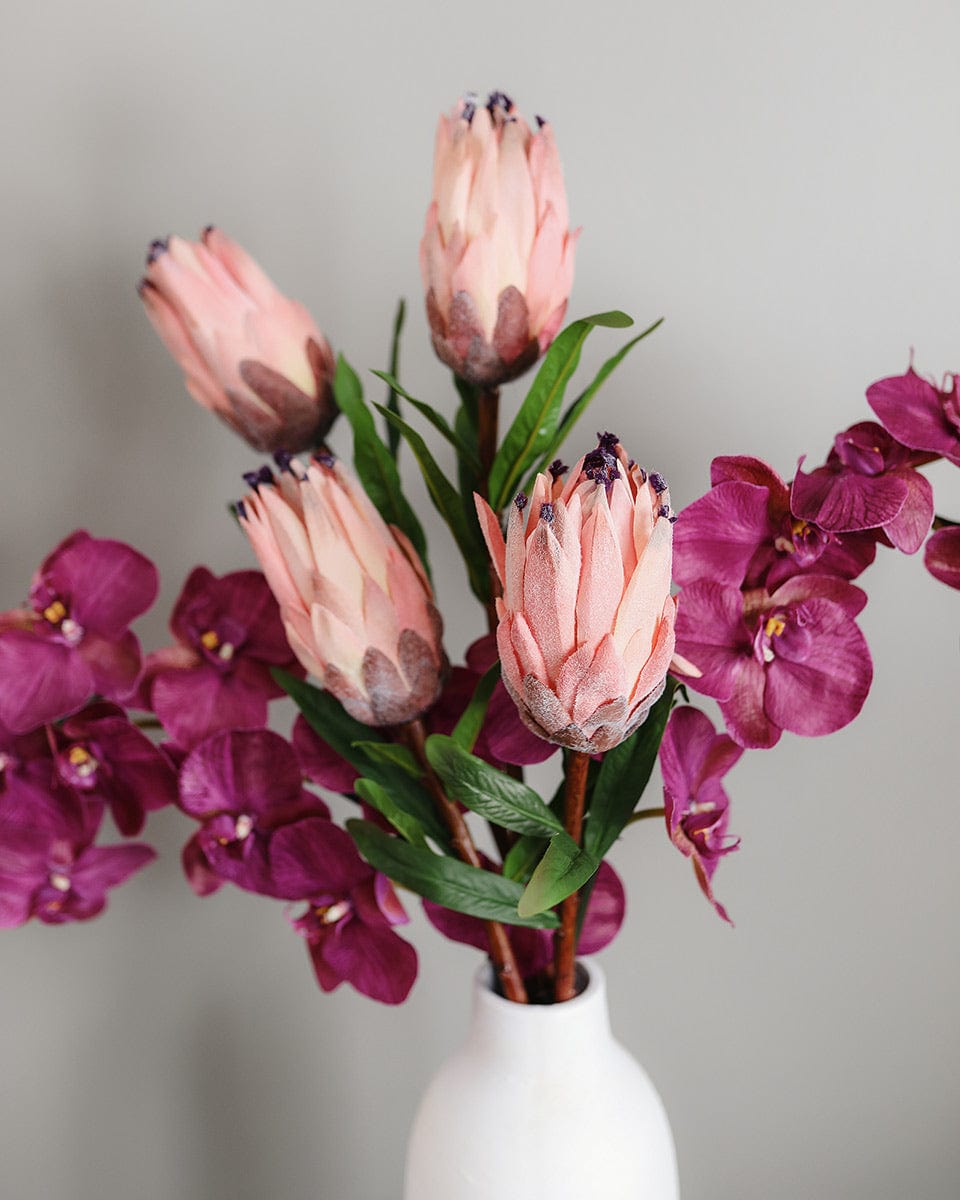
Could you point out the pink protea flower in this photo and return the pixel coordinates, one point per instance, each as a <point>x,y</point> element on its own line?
<point>586,617</point>
<point>250,354</point>
<point>354,598</point>
<point>497,254</point>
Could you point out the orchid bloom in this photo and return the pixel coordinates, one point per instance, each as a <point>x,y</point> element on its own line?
<point>918,413</point>
<point>217,675</point>
<point>497,254</point>
<point>250,354</point>
<point>693,760</point>
<point>586,630</point>
<point>941,556</point>
<point>73,640</point>
<point>355,600</point>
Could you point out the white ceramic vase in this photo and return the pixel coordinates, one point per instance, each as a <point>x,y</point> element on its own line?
<point>541,1103</point>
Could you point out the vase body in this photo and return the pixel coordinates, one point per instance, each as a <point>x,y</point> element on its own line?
<point>541,1103</point>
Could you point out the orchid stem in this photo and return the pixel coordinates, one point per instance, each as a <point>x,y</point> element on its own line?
<point>501,952</point>
<point>147,723</point>
<point>578,764</point>
<point>944,523</point>
<point>644,814</point>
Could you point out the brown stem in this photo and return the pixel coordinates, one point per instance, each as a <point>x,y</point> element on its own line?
<point>578,764</point>
<point>644,814</point>
<point>501,952</point>
<point>943,523</point>
<point>488,417</point>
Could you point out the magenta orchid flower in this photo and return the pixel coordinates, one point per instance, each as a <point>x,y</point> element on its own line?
<point>74,639</point>
<point>217,676</point>
<point>103,757</point>
<point>351,912</point>
<point>918,413</point>
<point>242,785</point>
<point>869,482</point>
<point>52,871</point>
<point>794,659</point>
<point>693,759</point>
<point>941,556</point>
<point>534,948</point>
<point>743,532</point>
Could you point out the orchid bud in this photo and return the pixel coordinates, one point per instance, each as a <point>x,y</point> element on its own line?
<point>355,601</point>
<point>496,255</point>
<point>586,629</point>
<point>250,354</point>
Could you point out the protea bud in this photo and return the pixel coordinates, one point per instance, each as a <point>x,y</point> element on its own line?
<point>355,600</point>
<point>250,354</point>
<point>497,254</point>
<point>586,617</point>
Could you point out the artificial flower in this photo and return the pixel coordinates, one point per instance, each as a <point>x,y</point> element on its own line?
<point>250,354</point>
<point>586,630</point>
<point>497,253</point>
<point>941,556</point>
<point>355,600</point>
<point>74,641</point>
<point>217,676</point>
<point>918,413</point>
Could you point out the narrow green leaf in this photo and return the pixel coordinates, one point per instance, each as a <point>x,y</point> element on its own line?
<point>469,395</point>
<point>450,506</point>
<point>535,425</point>
<point>523,856</point>
<point>373,461</point>
<point>379,798</point>
<point>624,774</point>
<point>390,754</point>
<point>579,406</point>
<point>489,792</point>
<point>436,420</point>
<point>328,718</point>
<point>563,870</point>
<point>393,400</point>
<point>467,729</point>
<point>444,880</point>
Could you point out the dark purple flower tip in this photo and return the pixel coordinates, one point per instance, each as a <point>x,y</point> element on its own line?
<point>470,100</point>
<point>546,513</point>
<point>283,459</point>
<point>239,510</point>
<point>558,468</point>
<point>157,247</point>
<point>254,479</point>
<point>541,121</point>
<point>602,465</point>
<point>520,501</point>
<point>657,482</point>
<point>325,458</point>
<point>499,100</point>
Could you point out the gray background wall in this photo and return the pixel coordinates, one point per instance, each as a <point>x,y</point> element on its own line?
<point>781,182</point>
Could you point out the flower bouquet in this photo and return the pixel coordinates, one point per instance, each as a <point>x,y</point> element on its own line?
<point>403,776</point>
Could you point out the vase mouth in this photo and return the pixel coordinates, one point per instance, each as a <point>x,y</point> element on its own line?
<point>592,992</point>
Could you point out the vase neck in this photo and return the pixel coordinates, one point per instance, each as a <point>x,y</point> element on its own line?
<point>521,1032</point>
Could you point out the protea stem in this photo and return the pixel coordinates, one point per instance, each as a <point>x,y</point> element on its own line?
<point>501,952</point>
<point>488,416</point>
<point>578,764</point>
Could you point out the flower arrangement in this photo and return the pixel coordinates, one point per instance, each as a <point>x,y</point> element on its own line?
<point>604,610</point>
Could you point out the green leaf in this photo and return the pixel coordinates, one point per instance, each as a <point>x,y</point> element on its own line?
<point>624,774</point>
<point>523,856</point>
<point>467,729</point>
<point>444,880</point>
<point>436,420</point>
<point>535,425</point>
<point>390,753</point>
<point>450,506</point>
<point>373,461</point>
<point>579,406</point>
<point>393,400</point>
<point>328,718</point>
<point>563,870</point>
<point>489,792</point>
<point>379,798</point>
